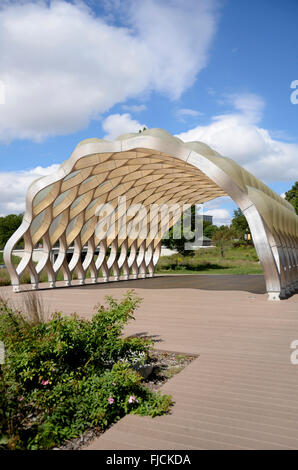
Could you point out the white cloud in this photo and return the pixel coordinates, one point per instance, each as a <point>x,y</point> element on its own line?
<point>238,135</point>
<point>249,104</point>
<point>186,112</point>
<point>134,108</point>
<point>221,215</point>
<point>62,65</point>
<point>14,186</point>
<point>117,124</point>
<point>177,36</point>
<point>211,91</point>
<point>189,112</point>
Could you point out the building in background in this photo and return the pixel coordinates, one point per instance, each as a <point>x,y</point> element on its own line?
<point>208,218</point>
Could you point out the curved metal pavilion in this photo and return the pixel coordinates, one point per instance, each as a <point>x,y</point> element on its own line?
<point>149,168</point>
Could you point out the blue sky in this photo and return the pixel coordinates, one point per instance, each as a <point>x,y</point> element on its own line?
<point>216,71</point>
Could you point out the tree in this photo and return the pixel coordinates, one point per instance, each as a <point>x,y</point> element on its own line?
<point>239,223</point>
<point>175,239</point>
<point>223,238</point>
<point>292,196</point>
<point>209,230</point>
<point>8,225</point>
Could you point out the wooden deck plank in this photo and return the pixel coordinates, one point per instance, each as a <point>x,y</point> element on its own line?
<point>240,393</point>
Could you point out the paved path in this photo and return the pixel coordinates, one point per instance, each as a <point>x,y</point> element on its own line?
<point>240,393</point>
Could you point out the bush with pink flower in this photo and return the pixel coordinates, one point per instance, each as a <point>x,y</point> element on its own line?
<point>69,374</point>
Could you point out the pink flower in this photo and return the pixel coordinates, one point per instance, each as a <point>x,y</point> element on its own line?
<point>21,398</point>
<point>132,399</point>
<point>111,400</point>
<point>45,382</point>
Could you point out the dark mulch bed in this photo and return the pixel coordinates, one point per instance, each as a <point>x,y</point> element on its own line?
<point>166,364</point>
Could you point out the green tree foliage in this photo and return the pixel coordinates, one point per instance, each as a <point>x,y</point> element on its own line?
<point>292,196</point>
<point>239,223</point>
<point>8,225</point>
<point>223,238</point>
<point>209,229</point>
<point>172,240</point>
<point>175,238</point>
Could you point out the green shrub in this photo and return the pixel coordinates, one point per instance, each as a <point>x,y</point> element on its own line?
<point>4,277</point>
<point>240,260</point>
<point>15,259</point>
<point>69,374</point>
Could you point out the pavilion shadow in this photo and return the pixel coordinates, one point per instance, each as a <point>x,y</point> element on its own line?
<point>254,283</point>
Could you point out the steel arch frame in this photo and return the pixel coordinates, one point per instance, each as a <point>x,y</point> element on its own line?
<point>272,221</point>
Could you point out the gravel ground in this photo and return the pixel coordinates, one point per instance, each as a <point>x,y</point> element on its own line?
<point>165,365</point>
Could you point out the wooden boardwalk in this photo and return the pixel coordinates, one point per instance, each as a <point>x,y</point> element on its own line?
<point>240,393</point>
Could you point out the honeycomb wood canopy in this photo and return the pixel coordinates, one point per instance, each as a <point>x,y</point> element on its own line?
<point>146,169</point>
